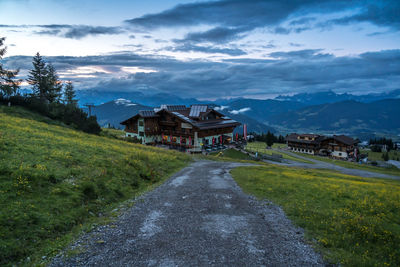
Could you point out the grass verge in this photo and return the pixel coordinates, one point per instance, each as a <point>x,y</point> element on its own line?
<point>354,165</point>
<point>56,181</point>
<point>353,221</point>
<point>260,147</point>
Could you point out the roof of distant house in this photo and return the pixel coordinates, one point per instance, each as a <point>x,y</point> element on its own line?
<point>319,138</point>
<point>189,115</point>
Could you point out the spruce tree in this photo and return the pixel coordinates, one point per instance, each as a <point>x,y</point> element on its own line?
<point>54,85</point>
<point>270,139</point>
<point>69,94</point>
<point>38,77</point>
<point>8,85</point>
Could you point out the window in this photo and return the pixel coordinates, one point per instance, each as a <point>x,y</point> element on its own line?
<point>141,133</point>
<point>340,154</point>
<point>141,123</point>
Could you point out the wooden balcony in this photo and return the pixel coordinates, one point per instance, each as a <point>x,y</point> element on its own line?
<point>168,123</point>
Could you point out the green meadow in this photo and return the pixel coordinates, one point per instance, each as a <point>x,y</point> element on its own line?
<point>352,221</point>
<point>56,182</point>
<point>260,147</point>
<point>392,170</point>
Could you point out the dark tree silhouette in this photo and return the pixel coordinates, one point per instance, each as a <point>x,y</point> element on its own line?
<point>54,85</point>
<point>8,84</point>
<point>69,94</point>
<point>38,77</point>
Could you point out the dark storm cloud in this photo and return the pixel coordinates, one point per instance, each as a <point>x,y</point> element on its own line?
<point>231,19</point>
<point>287,72</point>
<point>80,31</point>
<point>215,35</point>
<point>236,13</point>
<point>206,49</point>
<point>70,31</point>
<point>380,13</point>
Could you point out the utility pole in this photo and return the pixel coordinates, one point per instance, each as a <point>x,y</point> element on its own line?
<point>89,106</point>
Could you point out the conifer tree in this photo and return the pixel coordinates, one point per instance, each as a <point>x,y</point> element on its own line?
<point>54,85</point>
<point>270,139</point>
<point>8,85</point>
<point>38,77</point>
<point>69,94</point>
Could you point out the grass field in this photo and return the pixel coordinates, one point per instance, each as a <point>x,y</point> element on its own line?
<point>260,147</point>
<point>385,170</point>
<point>56,182</point>
<point>393,154</point>
<point>231,154</point>
<point>351,220</point>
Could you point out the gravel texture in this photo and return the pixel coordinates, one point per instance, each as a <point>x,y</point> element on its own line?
<point>198,217</point>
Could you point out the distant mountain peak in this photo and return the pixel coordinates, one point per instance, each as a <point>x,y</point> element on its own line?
<point>123,101</point>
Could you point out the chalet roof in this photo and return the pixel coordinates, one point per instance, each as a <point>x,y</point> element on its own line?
<point>294,138</point>
<point>147,113</point>
<point>211,124</point>
<point>183,117</point>
<point>195,110</point>
<point>143,114</point>
<point>186,115</point>
<point>345,139</point>
<point>319,138</point>
<point>173,107</point>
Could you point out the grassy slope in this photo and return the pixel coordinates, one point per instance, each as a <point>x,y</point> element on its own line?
<point>231,154</point>
<point>352,220</point>
<point>260,148</point>
<point>55,180</point>
<point>377,156</point>
<point>391,170</point>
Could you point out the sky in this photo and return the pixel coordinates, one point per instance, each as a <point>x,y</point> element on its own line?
<point>209,49</point>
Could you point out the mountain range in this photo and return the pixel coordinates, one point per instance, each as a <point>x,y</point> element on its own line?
<point>324,112</point>
<point>332,97</point>
<point>347,116</point>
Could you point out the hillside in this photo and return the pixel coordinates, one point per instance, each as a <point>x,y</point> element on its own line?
<point>318,98</point>
<point>261,110</point>
<point>116,111</point>
<point>56,181</point>
<point>103,95</point>
<point>347,116</point>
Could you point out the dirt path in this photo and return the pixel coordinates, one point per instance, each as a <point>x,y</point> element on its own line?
<point>325,165</point>
<point>198,217</point>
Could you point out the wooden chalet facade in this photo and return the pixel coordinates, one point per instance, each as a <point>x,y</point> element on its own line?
<point>182,127</point>
<point>337,146</point>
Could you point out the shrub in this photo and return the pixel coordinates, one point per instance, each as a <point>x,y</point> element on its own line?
<point>89,191</point>
<point>376,148</point>
<point>68,114</point>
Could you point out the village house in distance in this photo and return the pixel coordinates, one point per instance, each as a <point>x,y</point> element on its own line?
<point>181,127</point>
<point>337,146</point>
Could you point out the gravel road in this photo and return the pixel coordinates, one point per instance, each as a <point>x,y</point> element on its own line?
<point>199,217</point>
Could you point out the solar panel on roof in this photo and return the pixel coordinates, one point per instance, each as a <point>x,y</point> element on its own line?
<point>195,110</point>
<point>183,117</point>
<point>175,107</point>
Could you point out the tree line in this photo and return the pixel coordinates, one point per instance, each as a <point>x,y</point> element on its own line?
<point>376,144</point>
<point>269,138</point>
<point>50,96</point>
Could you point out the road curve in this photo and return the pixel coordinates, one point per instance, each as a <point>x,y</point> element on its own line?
<point>198,217</point>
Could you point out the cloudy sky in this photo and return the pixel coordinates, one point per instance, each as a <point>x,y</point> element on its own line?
<point>209,49</point>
